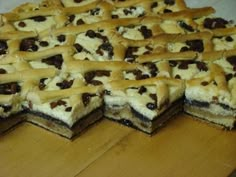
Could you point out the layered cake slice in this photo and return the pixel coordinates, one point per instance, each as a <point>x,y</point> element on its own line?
<point>211,96</point>
<point>14,86</point>
<point>66,112</point>
<point>143,104</point>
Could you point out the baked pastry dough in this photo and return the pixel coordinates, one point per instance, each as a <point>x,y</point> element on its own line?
<point>66,64</point>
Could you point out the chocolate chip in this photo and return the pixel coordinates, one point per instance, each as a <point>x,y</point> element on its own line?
<point>184,64</point>
<point>88,76</point>
<point>2,71</point>
<point>229,77</point>
<point>43,43</point>
<point>3,47</point>
<point>169,2</point>
<point>6,108</point>
<point>39,18</point>
<point>55,60</point>
<point>151,106</point>
<point>153,96</point>
<point>9,88</point>
<point>147,33</point>
<point>173,63</point>
<point>61,38</point>
<point>127,12</point>
<point>167,11</point>
<point>22,24</point>
<point>114,16</point>
<point>141,15</point>
<point>229,39</point>
<point>232,60</point>
<point>154,5</point>
<point>95,11</point>
<point>184,49</point>
<point>195,45</point>
<point>80,22</point>
<point>78,1</point>
<point>86,98</point>
<point>185,26</point>
<point>213,23</point>
<point>71,18</point>
<point>103,38</point>
<point>177,76</point>
<point>204,83</point>
<point>65,84</point>
<point>142,90</point>
<point>95,82</point>
<point>152,67</point>
<point>90,33</point>
<point>107,47</point>
<point>202,66</point>
<point>78,47</point>
<point>28,45</point>
<point>68,109</point>
<point>57,103</point>
<point>129,53</point>
<point>42,85</point>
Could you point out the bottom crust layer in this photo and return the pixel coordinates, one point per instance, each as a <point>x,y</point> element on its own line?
<point>10,122</point>
<point>128,117</point>
<point>227,122</point>
<point>58,127</point>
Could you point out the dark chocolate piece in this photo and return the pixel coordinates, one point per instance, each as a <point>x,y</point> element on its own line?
<point>28,45</point>
<point>39,18</point>
<point>147,33</point>
<point>55,60</point>
<point>169,2</point>
<point>142,90</point>
<point>22,24</point>
<point>6,108</point>
<point>86,98</point>
<point>2,71</point>
<point>57,103</point>
<point>3,47</point>
<point>43,43</point>
<point>42,85</point>
<point>65,84</point>
<point>80,22</point>
<point>78,47</point>
<point>185,26</point>
<point>9,88</point>
<point>195,45</point>
<point>213,23</point>
<point>154,5</point>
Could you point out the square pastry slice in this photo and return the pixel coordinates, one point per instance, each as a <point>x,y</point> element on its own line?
<point>212,96</point>
<point>143,104</point>
<point>66,112</point>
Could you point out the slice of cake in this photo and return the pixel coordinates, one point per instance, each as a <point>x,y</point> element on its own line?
<point>66,112</point>
<point>144,104</point>
<point>212,96</point>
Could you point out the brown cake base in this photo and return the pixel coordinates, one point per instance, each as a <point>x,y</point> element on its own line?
<point>131,118</point>
<point>227,122</point>
<point>59,127</point>
<point>10,122</point>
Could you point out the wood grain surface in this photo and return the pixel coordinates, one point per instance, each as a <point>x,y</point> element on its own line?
<point>185,147</point>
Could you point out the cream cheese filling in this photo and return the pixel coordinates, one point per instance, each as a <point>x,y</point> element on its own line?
<point>32,25</point>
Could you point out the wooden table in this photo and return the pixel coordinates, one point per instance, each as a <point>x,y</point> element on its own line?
<point>185,147</point>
